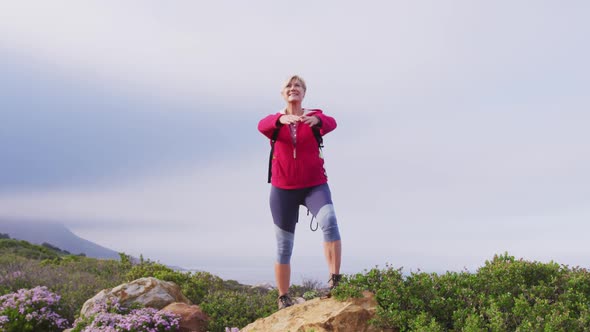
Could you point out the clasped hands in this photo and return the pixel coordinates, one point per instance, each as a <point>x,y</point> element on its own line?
<point>308,120</point>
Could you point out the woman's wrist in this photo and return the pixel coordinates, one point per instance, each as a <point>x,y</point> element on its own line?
<point>319,124</point>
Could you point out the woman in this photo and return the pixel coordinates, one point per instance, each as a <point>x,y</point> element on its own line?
<point>298,178</point>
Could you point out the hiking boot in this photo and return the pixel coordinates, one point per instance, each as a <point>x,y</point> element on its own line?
<point>332,282</point>
<point>284,301</point>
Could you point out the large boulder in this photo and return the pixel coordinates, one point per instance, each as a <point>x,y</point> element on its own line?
<point>321,315</point>
<point>148,292</point>
<point>192,318</point>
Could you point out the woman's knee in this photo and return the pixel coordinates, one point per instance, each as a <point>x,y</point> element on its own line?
<point>328,223</point>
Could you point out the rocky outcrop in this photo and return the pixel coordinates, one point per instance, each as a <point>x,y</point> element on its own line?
<point>318,315</point>
<point>148,292</point>
<point>321,315</point>
<point>192,318</point>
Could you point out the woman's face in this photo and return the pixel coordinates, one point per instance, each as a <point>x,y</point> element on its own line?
<point>293,91</point>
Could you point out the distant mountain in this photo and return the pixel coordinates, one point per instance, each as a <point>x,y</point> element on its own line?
<point>39,232</point>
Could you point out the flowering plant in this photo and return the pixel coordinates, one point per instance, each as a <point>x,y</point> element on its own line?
<point>110,316</point>
<point>33,309</point>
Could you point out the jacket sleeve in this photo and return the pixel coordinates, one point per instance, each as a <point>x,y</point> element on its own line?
<point>268,125</point>
<point>327,124</point>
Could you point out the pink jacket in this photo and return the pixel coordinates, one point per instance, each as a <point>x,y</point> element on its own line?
<point>299,165</point>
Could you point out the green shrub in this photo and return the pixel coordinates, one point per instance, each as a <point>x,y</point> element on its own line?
<point>194,286</point>
<point>25,249</point>
<point>74,278</point>
<point>238,308</point>
<point>425,323</point>
<point>505,294</point>
<point>309,289</point>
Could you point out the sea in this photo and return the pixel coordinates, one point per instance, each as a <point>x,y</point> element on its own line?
<point>260,270</point>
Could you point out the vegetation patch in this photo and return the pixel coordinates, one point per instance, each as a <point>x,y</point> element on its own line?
<point>506,294</point>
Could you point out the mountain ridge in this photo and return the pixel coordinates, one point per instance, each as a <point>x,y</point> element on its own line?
<point>56,234</point>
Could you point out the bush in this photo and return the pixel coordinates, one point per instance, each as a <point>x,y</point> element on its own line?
<point>505,294</point>
<point>26,249</point>
<point>227,303</point>
<point>195,286</point>
<point>54,248</point>
<point>75,278</point>
<point>32,310</point>
<point>238,308</point>
<point>309,289</point>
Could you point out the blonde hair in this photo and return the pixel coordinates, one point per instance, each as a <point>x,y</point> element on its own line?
<point>296,78</point>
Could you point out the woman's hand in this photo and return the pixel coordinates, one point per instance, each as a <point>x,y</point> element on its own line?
<point>310,120</point>
<point>289,118</point>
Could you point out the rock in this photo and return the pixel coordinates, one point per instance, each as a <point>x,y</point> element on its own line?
<point>192,318</point>
<point>149,292</point>
<point>298,300</point>
<point>321,315</point>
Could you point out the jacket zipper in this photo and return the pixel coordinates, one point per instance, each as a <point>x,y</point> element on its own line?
<point>294,129</point>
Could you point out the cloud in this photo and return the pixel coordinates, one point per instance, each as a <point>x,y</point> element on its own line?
<point>406,51</point>
<point>461,127</point>
<point>60,131</point>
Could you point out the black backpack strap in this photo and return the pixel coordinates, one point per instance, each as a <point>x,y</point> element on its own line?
<point>275,134</point>
<point>318,136</point>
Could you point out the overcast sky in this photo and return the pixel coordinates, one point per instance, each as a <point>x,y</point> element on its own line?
<point>462,127</point>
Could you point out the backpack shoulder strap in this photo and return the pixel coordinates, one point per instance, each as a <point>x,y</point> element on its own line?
<point>318,136</point>
<point>275,134</point>
<point>316,132</point>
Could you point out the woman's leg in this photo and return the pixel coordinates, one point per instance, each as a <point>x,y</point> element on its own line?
<point>283,277</point>
<point>319,202</point>
<point>333,253</point>
<point>284,206</point>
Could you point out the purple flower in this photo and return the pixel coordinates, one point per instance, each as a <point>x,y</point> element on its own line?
<point>34,306</point>
<point>110,316</point>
